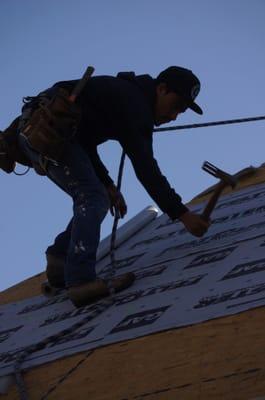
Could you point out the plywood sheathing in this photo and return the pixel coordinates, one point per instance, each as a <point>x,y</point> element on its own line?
<point>23,290</point>
<point>218,359</point>
<point>249,180</point>
<point>31,287</point>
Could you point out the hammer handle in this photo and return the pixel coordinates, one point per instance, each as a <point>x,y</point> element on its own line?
<point>81,83</point>
<point>213,200</point>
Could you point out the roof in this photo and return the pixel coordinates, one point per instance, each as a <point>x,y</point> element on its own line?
<point>164,335</point>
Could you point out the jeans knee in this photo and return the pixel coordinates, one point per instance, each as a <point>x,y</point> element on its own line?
<point>97,199</point>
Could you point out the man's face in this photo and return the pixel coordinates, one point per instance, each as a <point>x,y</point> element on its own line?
<point>168,105</point>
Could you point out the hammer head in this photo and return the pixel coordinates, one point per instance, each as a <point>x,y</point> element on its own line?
<point>218,173</point>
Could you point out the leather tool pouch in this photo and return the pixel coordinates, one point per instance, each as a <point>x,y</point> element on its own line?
<point>52,125</point>
<point>10,152</point>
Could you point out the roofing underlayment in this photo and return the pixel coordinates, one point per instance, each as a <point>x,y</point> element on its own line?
<point>152,341</point>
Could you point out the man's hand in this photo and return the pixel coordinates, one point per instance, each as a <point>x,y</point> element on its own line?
<point>117,202</point>
<point>194,223</point>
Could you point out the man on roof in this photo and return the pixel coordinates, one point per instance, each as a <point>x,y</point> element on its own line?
<point>124,108</point>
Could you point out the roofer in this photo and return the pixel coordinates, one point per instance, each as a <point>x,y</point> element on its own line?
<point>124,108</point>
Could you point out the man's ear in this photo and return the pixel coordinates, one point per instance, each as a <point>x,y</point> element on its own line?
<point>162,88</point>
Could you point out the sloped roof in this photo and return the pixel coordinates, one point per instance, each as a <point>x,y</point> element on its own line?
<point>181,282</point>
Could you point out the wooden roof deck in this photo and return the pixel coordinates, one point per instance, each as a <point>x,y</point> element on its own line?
<point>217,359</point>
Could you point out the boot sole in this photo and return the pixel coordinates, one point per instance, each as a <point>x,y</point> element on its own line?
<point>90,299</point>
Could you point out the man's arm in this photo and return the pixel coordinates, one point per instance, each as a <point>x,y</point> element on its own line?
<point>140,151</point>
<point>100,169</point>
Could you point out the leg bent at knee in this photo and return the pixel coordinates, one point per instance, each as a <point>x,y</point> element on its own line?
<point>55,270</point>
<point>95,199</point>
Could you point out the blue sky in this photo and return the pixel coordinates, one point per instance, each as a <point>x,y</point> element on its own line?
<point>43,42</point>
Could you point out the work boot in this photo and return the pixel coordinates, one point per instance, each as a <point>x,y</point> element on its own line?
<point>90,292</point>
<point>55,270</point>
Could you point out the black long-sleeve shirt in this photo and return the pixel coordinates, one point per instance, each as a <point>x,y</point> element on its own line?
<point>122,108</point>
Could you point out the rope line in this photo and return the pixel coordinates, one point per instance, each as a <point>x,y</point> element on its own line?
<point>113,264</point>
<point>100,307</point>
<point>213,123</point>
<point>103,305</point>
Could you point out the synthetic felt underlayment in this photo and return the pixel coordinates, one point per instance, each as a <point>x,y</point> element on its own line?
<point>181,280</point>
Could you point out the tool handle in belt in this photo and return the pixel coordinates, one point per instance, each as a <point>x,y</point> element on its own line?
<point>81,83</point>
<point>213,200</point>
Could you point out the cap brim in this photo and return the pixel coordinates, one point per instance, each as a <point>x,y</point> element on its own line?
<point>194,107</point>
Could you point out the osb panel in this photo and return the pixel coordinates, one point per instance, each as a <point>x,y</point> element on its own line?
<point>28,288</point>
<point>220,359</point>
<point>243,182</point>
<point>31,287</point>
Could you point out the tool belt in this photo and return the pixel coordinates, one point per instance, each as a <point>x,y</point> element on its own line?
<point>52,124</point>
<point>10,152</point>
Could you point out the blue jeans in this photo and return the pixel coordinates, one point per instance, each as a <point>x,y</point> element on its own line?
<point>79,242</point>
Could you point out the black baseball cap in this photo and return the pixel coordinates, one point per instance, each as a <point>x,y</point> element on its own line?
<point>183,82</point>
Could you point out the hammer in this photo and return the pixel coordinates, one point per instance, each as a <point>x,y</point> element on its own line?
<point>81,84</point>
<point>225,180</point>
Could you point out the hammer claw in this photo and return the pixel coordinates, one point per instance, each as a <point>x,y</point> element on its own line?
<point>218,173</point>
<point>225,179</point>
<point>212,169</point>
